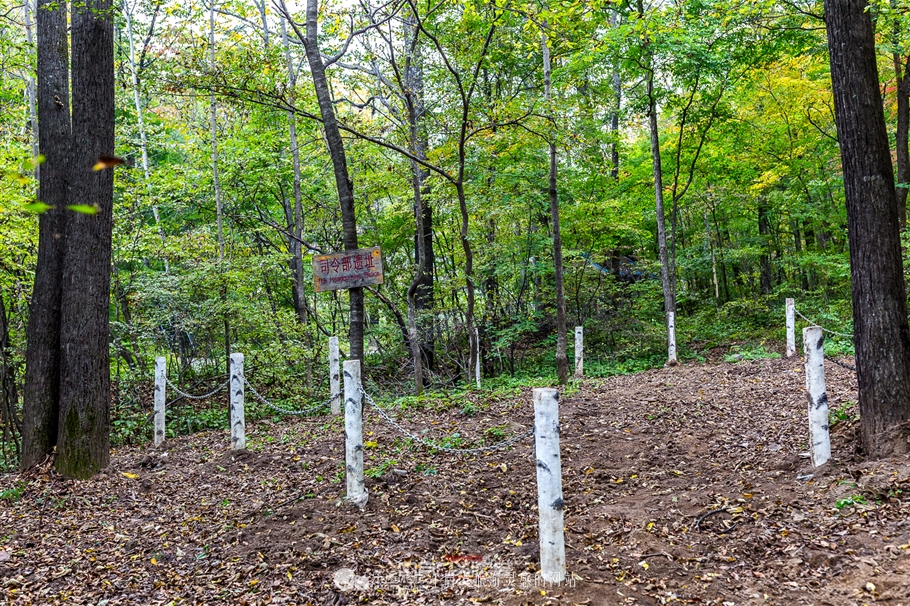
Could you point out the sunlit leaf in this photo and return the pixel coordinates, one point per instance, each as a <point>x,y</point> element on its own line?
<point>37,207</point>
<point>107,162</point>
<point>85,209</point>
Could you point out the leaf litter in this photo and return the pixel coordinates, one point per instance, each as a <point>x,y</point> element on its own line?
<point>681,485</point>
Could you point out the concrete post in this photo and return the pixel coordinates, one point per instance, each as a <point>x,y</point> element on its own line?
<point>353,434</point>
<point>549,485</point>
<point>819,439</point>
<point>671,339</point>
<point>579,352</point>
<point>237,386</point>
<point>160,397</point>
<point>334,375</point>
<point>477,359</point>
<point>791,328</point>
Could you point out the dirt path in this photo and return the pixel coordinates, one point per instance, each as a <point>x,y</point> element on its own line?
<point>682,485</point>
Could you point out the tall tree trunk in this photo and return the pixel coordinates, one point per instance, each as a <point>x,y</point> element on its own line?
<point>764,233</point>
<point>881,333</point>
<point>216,185</point>
<point>339,164</point>
<point>614,120</point>
<point>420,292</point>
<point>41,395</point>
<point>562,360</point>
<point>83,446</point>
<point>30,87</point>
<point>143,139</point>
<point>902,146</point>
<point>294,243</point>
<point>666,277</point>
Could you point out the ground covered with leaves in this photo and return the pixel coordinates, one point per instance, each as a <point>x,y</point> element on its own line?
<point>681,485</point>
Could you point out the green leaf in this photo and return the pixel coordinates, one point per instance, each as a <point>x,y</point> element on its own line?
<point>37,207</point>
<point>85,209</point>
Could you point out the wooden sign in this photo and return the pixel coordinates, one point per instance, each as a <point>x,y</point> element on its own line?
<point>348,269</point>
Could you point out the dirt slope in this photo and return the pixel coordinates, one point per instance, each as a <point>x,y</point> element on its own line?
<point>681,485</point>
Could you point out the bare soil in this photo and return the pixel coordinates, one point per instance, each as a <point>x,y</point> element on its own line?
<point>681,485</point>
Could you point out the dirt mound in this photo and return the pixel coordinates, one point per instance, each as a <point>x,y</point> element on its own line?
<point>688,484</point>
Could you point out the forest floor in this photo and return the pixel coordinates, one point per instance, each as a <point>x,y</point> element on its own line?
<point>681,485</point>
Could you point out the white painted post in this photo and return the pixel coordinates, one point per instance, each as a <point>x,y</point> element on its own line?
<point>238,420</point>
<point>813,344</point>
<point>477,359</point>
<point>334,375</point>
<point>353,435</point>
<point>791,328</point>
<point>160,397</point>
<point>549,485</point>
<point>579,352</point>
<point>671,339</point>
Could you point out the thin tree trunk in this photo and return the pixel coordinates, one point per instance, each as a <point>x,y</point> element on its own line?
<point>216,185</point>
<point>41,395</point>
<point>294,243</point>
<point>902,145</point>
<point>83,446</point>
<point>562,360</point>
<point>764,232</point>
<point>713,261</point>
<point>614,121</point>
<point>881,333</point>
<point>666,280</point>
<point>143,140</point>
<point>339,164</point>
<point>30,88</point>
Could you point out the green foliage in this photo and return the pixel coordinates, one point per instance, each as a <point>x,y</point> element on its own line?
<point>856,499</point>
<point>13,493</point>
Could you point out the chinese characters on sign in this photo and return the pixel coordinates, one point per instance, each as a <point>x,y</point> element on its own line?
<point>348,269</point>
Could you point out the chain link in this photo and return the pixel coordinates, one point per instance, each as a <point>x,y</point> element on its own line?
<point>433,447</point>
<point>828,330</point>
<point>841,364</point>
<point>286,411</point>
<point>199,397</point>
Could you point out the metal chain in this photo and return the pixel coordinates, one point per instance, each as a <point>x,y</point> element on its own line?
<point>199,397</point>
<point>433,447</point>
<point>841,364</point>
<point>286,411</point>
<point>828,330</point>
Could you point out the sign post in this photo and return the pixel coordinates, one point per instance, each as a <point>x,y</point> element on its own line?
<point>348,269</point>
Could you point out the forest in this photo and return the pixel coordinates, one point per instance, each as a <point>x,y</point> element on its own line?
<point>523,166</point>
<point>288,288</point>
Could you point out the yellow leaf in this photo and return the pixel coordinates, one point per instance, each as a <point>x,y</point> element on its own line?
<point>644,564</point>
<point>154,561</point>
<point>504,467</point>
<point>107,162</point>
<point>395,528</point>
<point>132,476</point>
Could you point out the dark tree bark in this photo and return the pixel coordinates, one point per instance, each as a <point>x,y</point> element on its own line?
<point>340,166</point>
<point>562,360</point>
<point>901,143</point>
<point>764,232</point>
<point>83,446</point>
<point>41,395</point>
<point>881,333</point>
<point>67,394</point>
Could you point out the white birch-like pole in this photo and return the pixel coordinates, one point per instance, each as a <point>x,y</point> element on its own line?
<point>238,421</point>
<point>334,375</point>
<point>813,344</point>
<point>549,485</point>
<point>671,339</point>
<point>353,434</point>
<point>579,351</point>
<point>791,328</point>
<point>477,362</point>
<point>160,397</point>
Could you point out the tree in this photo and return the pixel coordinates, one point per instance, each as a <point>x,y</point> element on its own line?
<point>881,333</point>
<point>335,145</point>
<point>67,384</point>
